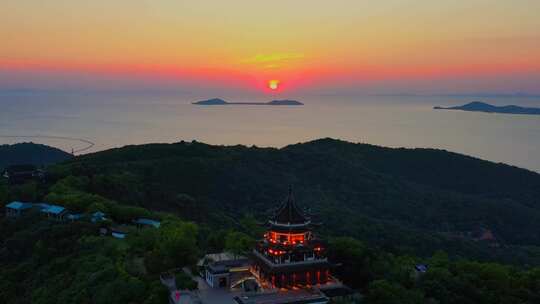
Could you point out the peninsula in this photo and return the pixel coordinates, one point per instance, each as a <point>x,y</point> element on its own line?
<point>478,106</point>
<point>220,102</point>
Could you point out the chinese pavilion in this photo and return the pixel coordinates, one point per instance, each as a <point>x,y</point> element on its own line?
<point>289,255</point>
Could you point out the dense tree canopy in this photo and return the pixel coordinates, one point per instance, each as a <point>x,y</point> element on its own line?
<point>408,201</point>
<point>383,212</point>
<point>70,263</point>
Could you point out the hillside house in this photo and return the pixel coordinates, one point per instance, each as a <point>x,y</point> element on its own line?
<point>16,209</point>
<point>18,174</point>
<point>53,212</point>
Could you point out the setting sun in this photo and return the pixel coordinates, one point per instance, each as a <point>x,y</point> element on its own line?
<point>273,84</point>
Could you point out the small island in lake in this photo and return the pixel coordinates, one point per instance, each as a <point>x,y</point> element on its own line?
<point>284,102</point>
<point>220,102</point>
<point>478,106</point>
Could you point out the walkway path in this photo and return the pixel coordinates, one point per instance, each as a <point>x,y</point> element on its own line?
<point>168,279</point>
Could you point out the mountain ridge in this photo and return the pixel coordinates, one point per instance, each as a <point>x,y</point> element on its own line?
<point>30,153</point>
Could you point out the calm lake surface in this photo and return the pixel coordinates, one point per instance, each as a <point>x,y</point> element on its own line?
<point>115,120</point>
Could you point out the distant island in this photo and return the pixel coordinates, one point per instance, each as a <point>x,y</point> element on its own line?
<point>220,102</point>
<point>478,106</point>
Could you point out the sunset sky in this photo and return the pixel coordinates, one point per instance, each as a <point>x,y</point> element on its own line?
<point>390,46</point>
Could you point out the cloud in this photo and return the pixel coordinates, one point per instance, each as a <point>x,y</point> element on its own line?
<point>273,60</point>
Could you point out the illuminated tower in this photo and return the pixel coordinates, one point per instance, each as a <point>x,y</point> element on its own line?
<point>290,255</point>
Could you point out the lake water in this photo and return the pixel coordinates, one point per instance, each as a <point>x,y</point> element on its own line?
<point>116,120</point>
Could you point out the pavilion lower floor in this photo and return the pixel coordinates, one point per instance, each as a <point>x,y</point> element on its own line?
<point>288,278</point>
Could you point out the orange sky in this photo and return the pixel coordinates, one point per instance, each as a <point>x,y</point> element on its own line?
<point>304,44</point>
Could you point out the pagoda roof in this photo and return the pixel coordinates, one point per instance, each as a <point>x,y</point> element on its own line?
<point>288,213</point>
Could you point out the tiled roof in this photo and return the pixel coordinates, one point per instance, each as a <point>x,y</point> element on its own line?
<point>149,222</point>
<point>288,213</point>
<point>98,216</point>
<point>54,209</point>
<point>421,267</point>
<point>118,235</point>
<point>75,216</point>
<point>19,205</point>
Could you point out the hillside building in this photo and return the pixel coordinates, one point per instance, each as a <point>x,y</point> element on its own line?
<point>17,209</point>
<point>290,255</point>
<point>18,174</point>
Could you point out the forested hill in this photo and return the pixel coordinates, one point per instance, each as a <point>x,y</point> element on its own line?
<point>30,153</point>
<point>408,200</point>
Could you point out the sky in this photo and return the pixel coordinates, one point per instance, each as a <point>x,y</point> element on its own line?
<point>327,47</point>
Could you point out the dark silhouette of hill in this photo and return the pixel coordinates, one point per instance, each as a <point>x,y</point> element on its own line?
<point>219,101</point>
<point>416,200</point>
<point>30,153</point>
<point>213,101</point>
<point>477,106</point>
